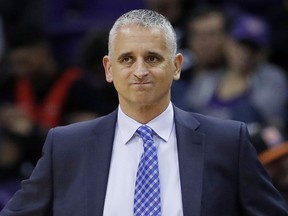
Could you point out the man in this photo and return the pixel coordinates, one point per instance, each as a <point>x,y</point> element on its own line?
<point>205,166</point>
<point>206,37</point>
<point>207,31</point>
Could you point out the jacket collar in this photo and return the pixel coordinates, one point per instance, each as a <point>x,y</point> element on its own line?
<point>191,160</point>
<point>190,153</point>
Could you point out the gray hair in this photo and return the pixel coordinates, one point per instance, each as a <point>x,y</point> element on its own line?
<point>148,19</point>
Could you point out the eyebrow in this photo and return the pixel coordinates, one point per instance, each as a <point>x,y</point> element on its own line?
<point>131,53</point>
<point>124,55</point>
<point>155,53</point>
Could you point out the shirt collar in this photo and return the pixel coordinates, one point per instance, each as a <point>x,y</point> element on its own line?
<point>162,124</point>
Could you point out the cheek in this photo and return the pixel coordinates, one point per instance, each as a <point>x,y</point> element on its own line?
<point>167,78</point>
<point>118,86</point>
<point>120,79</point>
<point>234,54</point>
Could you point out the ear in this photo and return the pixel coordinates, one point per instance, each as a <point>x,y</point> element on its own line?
<point>178,65</point>
<point>107,67</point>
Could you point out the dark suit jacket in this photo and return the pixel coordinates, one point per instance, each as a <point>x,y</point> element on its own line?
<point>219,171</point>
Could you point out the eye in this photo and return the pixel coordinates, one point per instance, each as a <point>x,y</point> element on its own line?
<point>125,59</point>
<point>153,59</point>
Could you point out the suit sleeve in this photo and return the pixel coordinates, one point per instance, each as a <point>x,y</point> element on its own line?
<point>35,196</point>
<point>258,196</point>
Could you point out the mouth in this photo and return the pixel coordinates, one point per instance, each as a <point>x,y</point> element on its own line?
<point>136,82</point>
<point>141,84</point>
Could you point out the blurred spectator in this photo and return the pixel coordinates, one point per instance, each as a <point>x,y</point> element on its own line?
<point>231,77</point>
<point>207,31</point>
<point>207,28</point>
<point>34,86</point>
<point>276,14</point>
<point>34,97</point>
<point>251,89</point>
<point>30,63</point>
<point>38,89</point>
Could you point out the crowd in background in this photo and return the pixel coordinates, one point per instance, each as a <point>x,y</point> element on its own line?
<point>235,67</point>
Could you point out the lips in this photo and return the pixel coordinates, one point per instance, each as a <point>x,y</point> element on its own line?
<point>142,84</point>
<point>141,81</point>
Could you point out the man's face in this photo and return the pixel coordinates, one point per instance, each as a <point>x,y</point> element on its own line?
<point>241,56</point>
<point>142,68</point>
<point>206,39</point>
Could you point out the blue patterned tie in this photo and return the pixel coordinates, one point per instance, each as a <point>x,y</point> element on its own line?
<point>147,188</point>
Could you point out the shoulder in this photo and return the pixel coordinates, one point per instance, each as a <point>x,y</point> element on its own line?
<point>209,125</point>
<point>85,128</point>
<point>78,137</point>
<point>270,72</point>
<point>208,121</point>
<point>200,120</point>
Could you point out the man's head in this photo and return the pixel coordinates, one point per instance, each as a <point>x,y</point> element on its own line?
<point>30,54</point>
<point>207,30</point>
<point>148,19</point>
<point>142,62</point>
<point>247,43</point>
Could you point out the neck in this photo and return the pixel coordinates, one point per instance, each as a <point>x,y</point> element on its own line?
<point>238,73</point>
<point>144,113</point>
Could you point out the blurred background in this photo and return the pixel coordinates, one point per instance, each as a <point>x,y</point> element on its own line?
<point>236,63</point>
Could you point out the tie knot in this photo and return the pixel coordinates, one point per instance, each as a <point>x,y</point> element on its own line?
<point>145,132</point>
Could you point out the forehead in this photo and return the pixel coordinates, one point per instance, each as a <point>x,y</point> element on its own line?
<point>135,37</point>
<point>136,30</point>
<point>210,21</point>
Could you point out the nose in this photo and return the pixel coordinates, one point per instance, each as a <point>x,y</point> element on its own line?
<point>140,69</point>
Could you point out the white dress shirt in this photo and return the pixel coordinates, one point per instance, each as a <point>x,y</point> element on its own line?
<point>127,150</point>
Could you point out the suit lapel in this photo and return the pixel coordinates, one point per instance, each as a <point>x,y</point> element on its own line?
<point>190,153</point>
<point>191,161</point>
<point>98,163</point>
